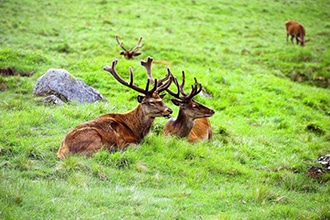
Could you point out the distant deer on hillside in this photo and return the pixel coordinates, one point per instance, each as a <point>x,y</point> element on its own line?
<point>131,53</point>
<point>192,121</point>
<point>117,131</point>
<point>295,30</point>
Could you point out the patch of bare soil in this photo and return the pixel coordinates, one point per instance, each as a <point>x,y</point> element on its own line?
<point>11,71</point>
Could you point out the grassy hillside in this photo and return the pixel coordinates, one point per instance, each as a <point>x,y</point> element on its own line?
<point>272,103</point>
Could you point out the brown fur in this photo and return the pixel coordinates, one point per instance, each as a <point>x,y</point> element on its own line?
<point>180,126</point>
<point>112,131</point>
<point>201,130</point>
<point>295,30</point>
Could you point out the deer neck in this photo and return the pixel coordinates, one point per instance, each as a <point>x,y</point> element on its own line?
<point>183,124</point>
<point>139,122</point>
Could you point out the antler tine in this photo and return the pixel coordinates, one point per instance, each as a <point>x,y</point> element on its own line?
<point>182,84</point>
<point>167,76</point>
<point>139,40</point>
<point>160,86</point>
<point>120,44</point>
<point>194,90</point>
<point>199,84</point>
<point>147,65</point>
<point>148,82</point>
<point>138,45</point>
<point>131,79</point>
<point>181,87</point>
<point>113,72</point>
<point>177,94</point>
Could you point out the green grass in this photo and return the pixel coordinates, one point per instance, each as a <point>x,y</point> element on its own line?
<point>267,128</point>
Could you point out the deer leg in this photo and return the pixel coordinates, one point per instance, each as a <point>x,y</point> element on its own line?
<point>292,37</point>
<point>85,140</point>
<point>63,151</point>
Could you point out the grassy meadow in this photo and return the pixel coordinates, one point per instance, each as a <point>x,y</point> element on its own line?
<point>272,103</point>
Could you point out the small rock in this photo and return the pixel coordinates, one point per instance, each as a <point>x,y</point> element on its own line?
<point>53,100</point>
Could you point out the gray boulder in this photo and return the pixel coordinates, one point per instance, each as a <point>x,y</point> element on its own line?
<point>66,87</point>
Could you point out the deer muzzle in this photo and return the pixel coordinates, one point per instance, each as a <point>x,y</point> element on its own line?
<point>167,112</point>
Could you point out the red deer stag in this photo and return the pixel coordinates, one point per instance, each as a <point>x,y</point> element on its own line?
<point>117,131</point>
<point>131,53</point>
<point>295,30</point>
<point>191,121</point>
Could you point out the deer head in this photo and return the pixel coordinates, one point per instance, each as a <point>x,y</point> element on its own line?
<point>151,102</point>
<point>131,53</point>
<point>303,42</point>
<point>191,108</point>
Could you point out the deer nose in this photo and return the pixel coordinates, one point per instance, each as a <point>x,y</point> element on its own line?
<point>167,113</point>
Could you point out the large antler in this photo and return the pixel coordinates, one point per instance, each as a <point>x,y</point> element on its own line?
<point>147,65</point>
<point>113,72</point>
<point>195,89</point>
<point>129,54</point>
<point>160,86</point>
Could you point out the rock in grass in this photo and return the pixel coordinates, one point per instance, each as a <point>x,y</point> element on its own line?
<point>66,87</point>
<point>324,160</point>
<point>53,99</point>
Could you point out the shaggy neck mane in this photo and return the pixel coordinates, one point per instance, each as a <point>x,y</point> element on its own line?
<point>137,121</point>
<point>183,124</point>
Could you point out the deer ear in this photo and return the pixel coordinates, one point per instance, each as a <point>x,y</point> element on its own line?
<point>140,98</point>
<point>162,95</point>
<point>176,102</point>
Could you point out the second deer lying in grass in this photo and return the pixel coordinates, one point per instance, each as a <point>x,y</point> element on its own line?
<point>115,130</point>
<point>192,121</point>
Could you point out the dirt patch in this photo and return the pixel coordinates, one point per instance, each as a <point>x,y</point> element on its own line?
<point>315,129</point>
<point>319,81</point>
<point>7,71</point>
<point>11,71</point>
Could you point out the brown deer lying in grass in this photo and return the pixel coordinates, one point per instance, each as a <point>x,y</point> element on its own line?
<point>191,121</point>
<point>131,53</point>
<point>295,30</point>
<point>117,131</point>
